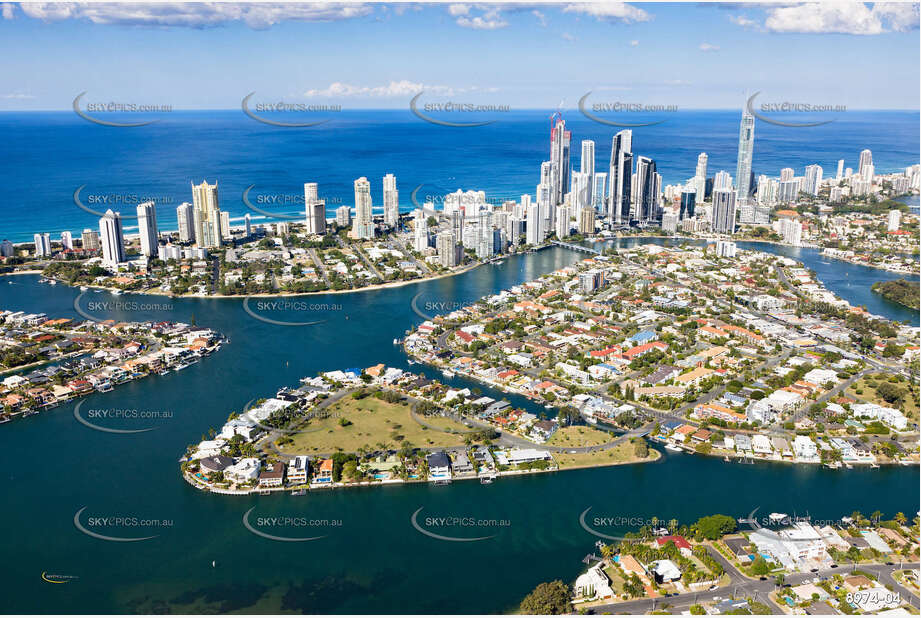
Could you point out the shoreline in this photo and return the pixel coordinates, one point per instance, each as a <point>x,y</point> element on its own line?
<point>377,286</point>
<point>259,491</point>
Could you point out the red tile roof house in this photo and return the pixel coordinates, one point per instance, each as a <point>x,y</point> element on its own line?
<point>680,542</point>
<point>463,336</point>
<point>643,349</point>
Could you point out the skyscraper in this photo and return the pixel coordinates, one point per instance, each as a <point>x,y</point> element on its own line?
<point>42,245</point>
<point>647,190</point>
<point>599,191</point>
<point>722,180</point>
<point>840,169</point>
<point>724,211</point>
<point>535,225</point>
<point>206,215</point>
<point>147,226</point>
<point>248,225</point>
<point>620,178</point>
<point>688,203</point>
<point>588,169</point>
<point>559,160</point>
<point>90,240</point>
<point>314,210</point>
<point>67,240</point>
<point>420,232</point>
<point>447,248</point>
<point>185,215</point>
<point>700,176</point>
<point>813,179</point>
<point>391,201</point>
<point>587,220</point>
<point>744,160</point>
<point>112,238</point>
<point>363,226</point>
<point>865,166</point>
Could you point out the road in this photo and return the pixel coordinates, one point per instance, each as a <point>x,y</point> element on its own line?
<point>745,587</point>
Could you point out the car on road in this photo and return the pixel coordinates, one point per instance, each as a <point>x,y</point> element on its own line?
<point>813,570</point>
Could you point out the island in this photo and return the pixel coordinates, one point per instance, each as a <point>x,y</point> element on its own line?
<point>907,293</point>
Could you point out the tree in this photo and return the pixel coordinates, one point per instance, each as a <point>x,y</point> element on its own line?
<point>760,566</point>
<point>548,598</point>
<point>713,527</point>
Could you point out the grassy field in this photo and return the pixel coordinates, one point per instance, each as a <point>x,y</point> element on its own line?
<point>909,407</point>
<point>579,435</point>
<point>369,422</point>
<point>620,454</point>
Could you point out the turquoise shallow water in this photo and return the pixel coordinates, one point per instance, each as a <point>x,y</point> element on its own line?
<point>375,561</point>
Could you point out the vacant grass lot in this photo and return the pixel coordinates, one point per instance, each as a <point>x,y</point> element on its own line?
<point>579,435</point>
<point>370,423</point>
<point>620,454</point>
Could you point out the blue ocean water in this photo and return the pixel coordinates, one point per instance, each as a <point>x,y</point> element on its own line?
<point>48,155</point>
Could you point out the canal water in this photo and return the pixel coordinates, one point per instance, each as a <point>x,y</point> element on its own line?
<point>369,557</point>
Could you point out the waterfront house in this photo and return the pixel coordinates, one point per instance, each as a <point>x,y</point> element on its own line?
<point>542,430</point>
<point>297,470</point>
<point>272,475</point>
<point>439,466</point>
<point>680,542</point>
<point>665,571</point>
<point>244,471</point>
<point>325,472</point>
<point>217,463</point>
<point>593,585</point>
<point>460,463</point>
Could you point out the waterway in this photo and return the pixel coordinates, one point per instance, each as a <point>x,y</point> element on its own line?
<point>203,559</point>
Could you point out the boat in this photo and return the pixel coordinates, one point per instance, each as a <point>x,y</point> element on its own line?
<point>397,341</point>
<point>447,373</point>
<point>116,292</point>
<point>487,480</point>
<point>726,458</point>
<point>849,466</point>
<point>52,282</point>
<point>83,288</point>
<point>104,387</point>
<point>163,371</point>
<point>673,447</point>
<point>874,466</point>
<point>180,367</point>
<point>299,492</point>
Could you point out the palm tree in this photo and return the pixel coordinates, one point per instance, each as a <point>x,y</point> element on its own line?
<point>900,518</point>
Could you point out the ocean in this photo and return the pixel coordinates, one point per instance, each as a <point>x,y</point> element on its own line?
<point>49,155</point>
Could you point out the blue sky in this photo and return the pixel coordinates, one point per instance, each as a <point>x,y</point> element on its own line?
<point>209,56</point>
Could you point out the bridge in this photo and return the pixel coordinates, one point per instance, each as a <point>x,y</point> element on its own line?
<point>575,247</point>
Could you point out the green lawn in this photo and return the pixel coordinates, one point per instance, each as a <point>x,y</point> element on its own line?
<point>909,407</point>
<point>371,422</point>
<point>579,435</point>
<point>620,454</point>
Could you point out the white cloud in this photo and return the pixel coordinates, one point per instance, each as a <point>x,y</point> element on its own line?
<point>541,18</point>
<point>745,22</point>
<point>194,15</point>
<point>850,17</point>
<point>609,11</point>
<point>489,19</point>
<point>6,9</point>
<point>902,16</point>
<point>16,95</point>
<point>634,43</point>
<point>568,36</point>
<point>844,18</point>
<point>400,88</point>
<point>709,47</point>
<point>455,10</point>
